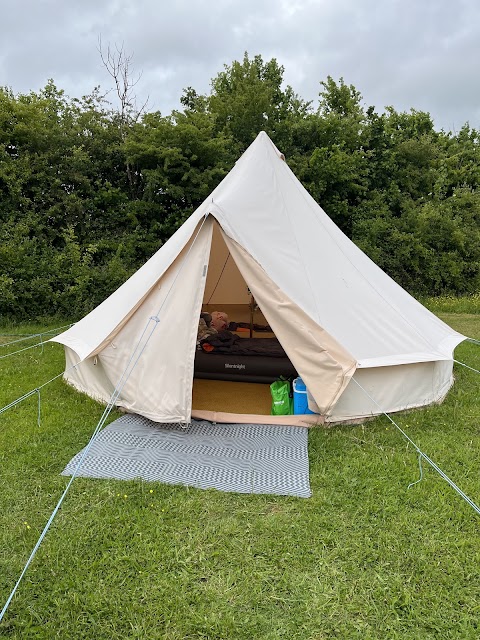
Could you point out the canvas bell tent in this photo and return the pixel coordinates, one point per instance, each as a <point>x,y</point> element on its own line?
<point>336,314</point>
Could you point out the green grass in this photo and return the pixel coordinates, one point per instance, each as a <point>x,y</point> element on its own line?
<point>363,558</point>
<point>453,304</point>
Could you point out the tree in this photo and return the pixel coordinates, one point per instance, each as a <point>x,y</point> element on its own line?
<point>249,97</point>
<point>119,65</point>
<point>88,192</point>
<point>330,157</point>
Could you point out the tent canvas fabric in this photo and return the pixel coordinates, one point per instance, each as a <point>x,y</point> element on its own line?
<point>335,312</point>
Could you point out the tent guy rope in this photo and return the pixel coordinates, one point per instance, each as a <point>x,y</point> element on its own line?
<point>32,346</point>
<point>466,366</point>
<point>14,353</point>
<point>30,336</point>
<point>422,455</point>
<point>116,392</point>
<point>36,390</point>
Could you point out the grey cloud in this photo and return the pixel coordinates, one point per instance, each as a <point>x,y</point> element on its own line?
<point>401,53</point>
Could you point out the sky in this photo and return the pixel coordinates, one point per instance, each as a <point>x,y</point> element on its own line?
<point>420,54</point>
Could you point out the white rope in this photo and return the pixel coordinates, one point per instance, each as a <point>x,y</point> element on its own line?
<point>32,335</point>
<point>466,366</point>
<point>412,484</point>
<point>423,455</point>
<point>118,389</point>
<point>13,353</point>
<point>36,390</point>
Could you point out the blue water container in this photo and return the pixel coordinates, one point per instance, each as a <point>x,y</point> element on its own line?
<point>300,400</point>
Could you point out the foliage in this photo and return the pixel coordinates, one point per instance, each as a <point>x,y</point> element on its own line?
<point>87,195</point>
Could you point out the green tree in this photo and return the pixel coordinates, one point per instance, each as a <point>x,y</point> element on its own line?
<point>88,192</point>
<point>329,152</point>
<point>249,97</point>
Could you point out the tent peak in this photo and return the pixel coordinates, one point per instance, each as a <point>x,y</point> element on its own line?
<point>264,139</point>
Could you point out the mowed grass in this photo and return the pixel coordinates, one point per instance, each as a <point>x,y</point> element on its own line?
<point>364,557</point>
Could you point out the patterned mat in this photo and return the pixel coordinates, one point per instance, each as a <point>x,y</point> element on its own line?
<point>245,458</point>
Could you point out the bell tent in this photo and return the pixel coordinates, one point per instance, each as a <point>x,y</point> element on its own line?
<point>335,313</point>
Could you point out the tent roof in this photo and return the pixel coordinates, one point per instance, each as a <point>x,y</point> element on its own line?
<point>263,207</point>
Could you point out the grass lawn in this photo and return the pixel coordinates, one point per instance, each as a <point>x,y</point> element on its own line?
<point>363,558</point>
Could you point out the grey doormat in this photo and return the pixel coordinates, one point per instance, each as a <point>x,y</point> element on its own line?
<point>245,458</point>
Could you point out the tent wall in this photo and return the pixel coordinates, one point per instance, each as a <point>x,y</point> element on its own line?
<point>393,389</point>
<point>324,365</point>
<point>225,284</point>
<point>160,385</point>
<point>89,376</point>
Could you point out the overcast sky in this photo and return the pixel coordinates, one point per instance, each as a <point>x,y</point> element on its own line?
<point>406,53</point>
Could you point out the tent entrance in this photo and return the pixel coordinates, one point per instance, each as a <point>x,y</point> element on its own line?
<point>220,394</point>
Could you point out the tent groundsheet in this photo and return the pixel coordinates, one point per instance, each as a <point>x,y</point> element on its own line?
<point>243,458</point>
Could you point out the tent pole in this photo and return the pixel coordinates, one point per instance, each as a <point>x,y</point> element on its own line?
<point>252,310</point>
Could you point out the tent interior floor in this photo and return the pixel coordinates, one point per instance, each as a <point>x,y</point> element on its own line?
<point>231,397</point>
